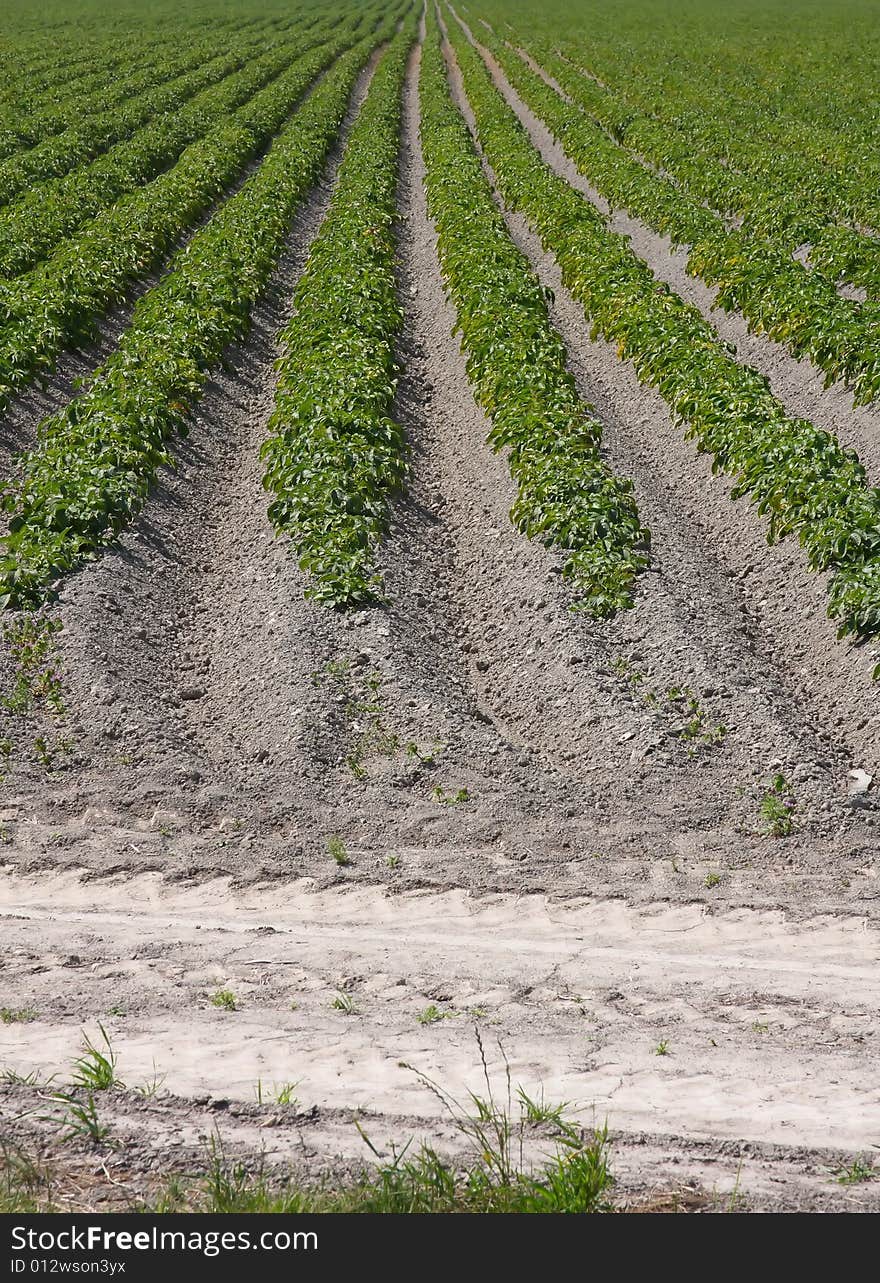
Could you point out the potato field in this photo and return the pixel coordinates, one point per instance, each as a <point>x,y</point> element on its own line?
<point>440,602</point>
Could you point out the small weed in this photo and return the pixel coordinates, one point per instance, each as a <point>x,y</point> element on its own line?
<point>541,1111</point>
<point>662,1048</point>
<point>695,730</point>
<point>439,794</point>
<point>225,999</point>
<point>15,1016</point>
<point>281,1093</point>
<point>777,807</point>
<point>712,880</point>
<point>95,1069</point>
<point>345,1003</point>
<point>118,1009</point>
<point>358,695</point>
<point>80,1118</point>
<point>25,1186</point>
<point>12,1078</point>
<point>425,757</point>
<point>392,859</point>
<point>432,1015</point>
<point>761,1027</point>
<point>859,1170</point>
<point>151,1087</point>
<point>336,849</point>
<point>36,682</point>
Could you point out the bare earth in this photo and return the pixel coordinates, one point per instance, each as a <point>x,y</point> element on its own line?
<point>589,886</point>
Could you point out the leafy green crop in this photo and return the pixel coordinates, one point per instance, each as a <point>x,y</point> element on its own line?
<point>797,475</point>
<point>334,455</point>
<point>776,294</point>
<point>568,497</point>
<point>56,304</point>
<point>94,461</point>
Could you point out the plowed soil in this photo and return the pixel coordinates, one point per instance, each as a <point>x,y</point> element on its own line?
<point>542,841</point>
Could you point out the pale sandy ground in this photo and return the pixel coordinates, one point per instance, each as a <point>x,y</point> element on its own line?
<point>768,1085</point>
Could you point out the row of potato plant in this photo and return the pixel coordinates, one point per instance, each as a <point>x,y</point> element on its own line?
<point>776,294</point>
<point>567,496</point>
<point>57,304</point>
<point>335,455</point>
<point>94,461</point>
<point>93,135</point>
<point>106,83</point>
<point>31,226</point>
<point>796,474</point>
<point>791,209</point>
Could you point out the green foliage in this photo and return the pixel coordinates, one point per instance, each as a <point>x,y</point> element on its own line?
<point>225,999</point>
<point>94,461</point>
<point>777,808</point>
<point>516,362</point>
<point>335,455</point>
<point>95,1069</point>
<point>796,474</point>
<point>52,209</point>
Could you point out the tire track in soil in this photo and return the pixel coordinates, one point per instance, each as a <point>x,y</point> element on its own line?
<point>798,384</point>
<point>824,684</point>
<point>767,1084</point>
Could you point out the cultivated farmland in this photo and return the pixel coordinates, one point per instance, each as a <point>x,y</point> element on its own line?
<point>440,582</point>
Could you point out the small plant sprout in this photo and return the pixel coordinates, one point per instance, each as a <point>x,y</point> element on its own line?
<point>345,1003</point>
<point>777,808</point>
<point>336,849</point>
<point>858,1171</point>
<point>392,859</point>
<point>357,695</point>
<point>96,1067</point>
<point>79,1120</point>
<point>539,1110</point>
<point>431,1015</point>
<point>712,879</point>
<point>225,999</point>
<point>425,757</point>
<point>662,1048</point>
<point>152,1085</point>
<point>285,1094</point>
<point>439,794</point>
<point>281,1093</point>
<point>33,1078</point>
<point>36,682</point>
<point>17,1015</point>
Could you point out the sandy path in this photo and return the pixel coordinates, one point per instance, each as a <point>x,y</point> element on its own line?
<point>766,1043</point>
